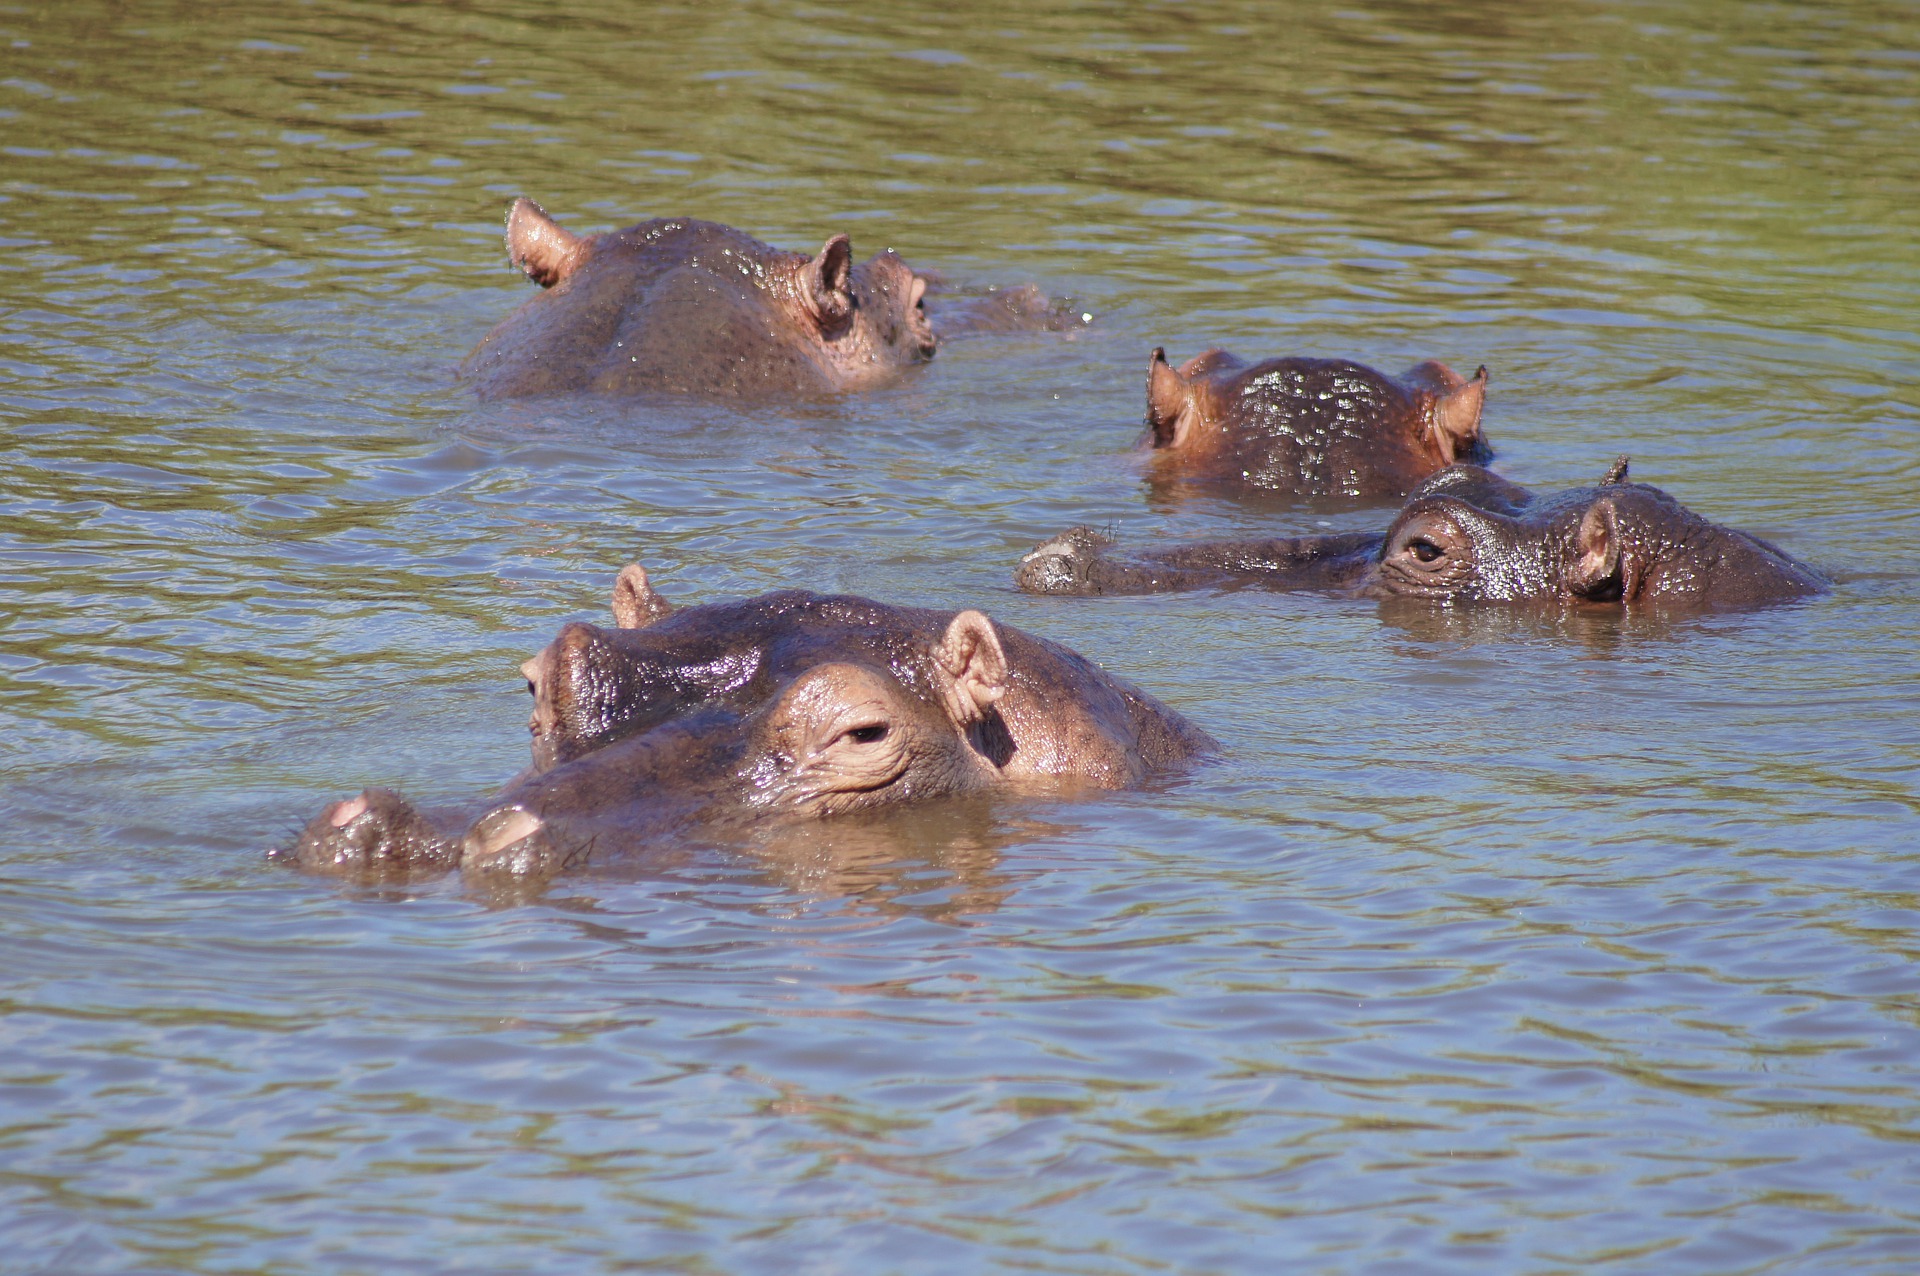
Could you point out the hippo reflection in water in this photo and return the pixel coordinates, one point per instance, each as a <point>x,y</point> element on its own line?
<point>1468,536</point>
<point>693,307</point>
<point>789,706</point>
<point>1312,427</point>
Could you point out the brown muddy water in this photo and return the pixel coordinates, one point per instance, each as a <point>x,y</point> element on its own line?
<point>1495,943</point>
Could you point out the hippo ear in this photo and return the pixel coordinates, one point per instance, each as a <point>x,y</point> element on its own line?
<point>970,653</point>
<point>1456,416</point>
<point>1596,571</point>
<point>1616,473</point>
<point>540,246</point>
<point>827,282</point>
<point>1168,394</point>
<point>635,605</point>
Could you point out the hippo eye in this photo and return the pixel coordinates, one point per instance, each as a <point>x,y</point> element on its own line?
<point>867,735</point>
<point>1425,550</point>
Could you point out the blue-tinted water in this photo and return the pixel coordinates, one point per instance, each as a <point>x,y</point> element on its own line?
<point>1495,943</point>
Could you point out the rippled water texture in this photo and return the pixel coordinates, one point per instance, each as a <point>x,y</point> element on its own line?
<point>1496,943</point>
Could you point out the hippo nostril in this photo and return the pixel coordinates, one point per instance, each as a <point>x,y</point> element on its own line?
<point>1058,547</point>
<point>497,830</point>
<point>345,813</point>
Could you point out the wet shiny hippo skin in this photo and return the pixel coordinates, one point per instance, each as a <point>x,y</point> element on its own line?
<point>1468,536</point>
<point>791,706</point>
<point>1312,427</point>
<point>681,306</point>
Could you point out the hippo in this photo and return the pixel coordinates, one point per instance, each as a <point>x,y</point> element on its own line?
<point>1466,535</point>
<point>681,306</point>
<point>1312,427</point>
<point>792,706</point>
<point>998,311</point>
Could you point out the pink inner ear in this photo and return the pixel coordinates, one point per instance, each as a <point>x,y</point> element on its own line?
<point>635,605</point>
<point>546,251</point>
<point>1598,543</point>
<point>836,263</point>
<point>1166,399</point>
<point>1595,532</point>
<point>1456,413</point>
<point>829,281</point>
<point>345,813</point>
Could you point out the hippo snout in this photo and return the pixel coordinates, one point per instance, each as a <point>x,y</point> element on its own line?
<point>1062,565</point>
<point>375,831</point>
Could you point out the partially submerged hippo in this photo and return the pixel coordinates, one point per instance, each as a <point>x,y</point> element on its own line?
<point>788,706</point>
<point>1313,427</point>
<point>999,311</point>
<point>693,307</point>
<point>1468,536</point>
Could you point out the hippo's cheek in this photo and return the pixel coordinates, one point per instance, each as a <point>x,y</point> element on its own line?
<point>836,782</point>
<point>1395,580</point>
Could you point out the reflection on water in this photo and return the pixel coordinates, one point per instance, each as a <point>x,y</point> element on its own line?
<point>1498,941</point>
<point>943,864</point>
<point>1598,630</point>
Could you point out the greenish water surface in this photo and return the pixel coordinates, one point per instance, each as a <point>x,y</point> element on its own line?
<point>1496,942</point>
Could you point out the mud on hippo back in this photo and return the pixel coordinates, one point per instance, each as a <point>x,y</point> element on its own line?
<point>1311,427</point>
<point>680,306</point>
<point>791,706</point>
<point>1468,536</point>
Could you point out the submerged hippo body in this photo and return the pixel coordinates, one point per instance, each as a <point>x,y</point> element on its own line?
<point>1469,536</point>
<point>1312,427</point>
<point>691,307</point>
<point>999,311</point>
<point>788,706</point>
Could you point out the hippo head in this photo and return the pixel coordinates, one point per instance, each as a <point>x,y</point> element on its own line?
<point>1466,535</point>
<point>887,324</point>
<point>791,705</point>
<point>1433,411</point>
<point>784,657</point>
<point>867,318</point>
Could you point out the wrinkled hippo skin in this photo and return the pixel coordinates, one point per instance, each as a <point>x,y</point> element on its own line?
<point>1469,536</point>
<point>789,706</point>
<point>1312,427</point>
<point>691,307</point>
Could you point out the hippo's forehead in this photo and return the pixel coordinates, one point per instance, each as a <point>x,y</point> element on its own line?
<point>1476,486</point>
<point>683,238</point>
<point>1639,506</point>
<point>1485,528</point>
<point>741,654</point>
<point>1648,506</point>
<point>882,273</point>
<point>1209,362</point>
